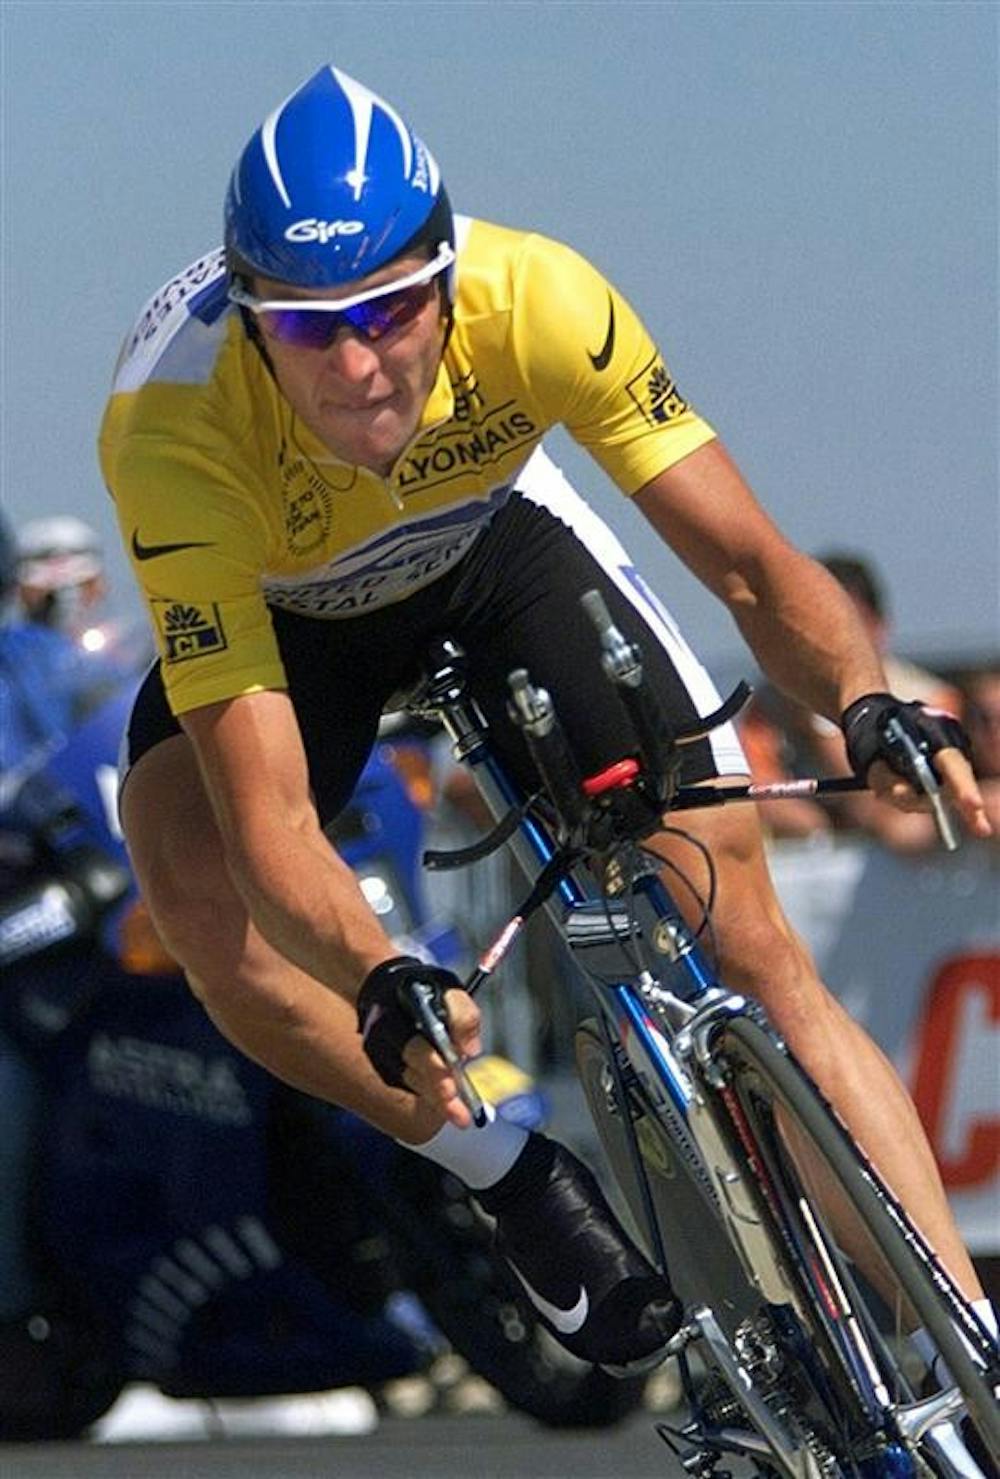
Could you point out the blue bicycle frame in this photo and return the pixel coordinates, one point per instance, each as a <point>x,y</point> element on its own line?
<point>661,1028</point>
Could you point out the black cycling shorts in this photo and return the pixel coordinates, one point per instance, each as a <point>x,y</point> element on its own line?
<point>512,601</point>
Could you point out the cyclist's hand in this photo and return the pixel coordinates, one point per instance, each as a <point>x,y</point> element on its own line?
<point>939,736</point>
<point>400,1055</point>
<point>428,1077</point>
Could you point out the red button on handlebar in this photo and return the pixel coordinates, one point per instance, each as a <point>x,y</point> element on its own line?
<point>621,774</point>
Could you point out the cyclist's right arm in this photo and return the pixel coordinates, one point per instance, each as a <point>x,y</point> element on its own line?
<point>300,894</point>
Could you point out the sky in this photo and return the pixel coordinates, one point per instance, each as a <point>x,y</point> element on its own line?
<point>799,199</point>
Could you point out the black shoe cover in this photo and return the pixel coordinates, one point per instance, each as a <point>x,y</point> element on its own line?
<point>589,1283</point>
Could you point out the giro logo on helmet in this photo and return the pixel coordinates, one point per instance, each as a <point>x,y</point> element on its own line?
<point>309,229</point>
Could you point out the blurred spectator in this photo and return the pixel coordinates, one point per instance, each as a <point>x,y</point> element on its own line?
<point>783,739</point>
<point>981,712</point>
<point>47,682</point>
<point>62,585</point>
<point>905,679</point>
<point>60,573</point>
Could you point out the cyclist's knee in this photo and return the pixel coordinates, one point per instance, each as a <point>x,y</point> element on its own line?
<point>758,948</point>
<point>761,954</point>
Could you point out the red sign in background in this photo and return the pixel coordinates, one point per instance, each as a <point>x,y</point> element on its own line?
<point>963,998</point>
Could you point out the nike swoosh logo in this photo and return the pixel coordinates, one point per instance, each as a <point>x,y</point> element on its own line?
<point>567,1322</point>
<point>151,551</point>
<point>602,358</point>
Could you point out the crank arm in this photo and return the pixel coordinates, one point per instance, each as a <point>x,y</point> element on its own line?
<point>796,1462</point>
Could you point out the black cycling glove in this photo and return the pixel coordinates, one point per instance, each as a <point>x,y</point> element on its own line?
<point>385,1018</point>
<point>864,724</point>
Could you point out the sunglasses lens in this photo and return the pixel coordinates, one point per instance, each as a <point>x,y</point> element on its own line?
<point>316,328</point>
<point>304,327</point>
<point>378,316</point>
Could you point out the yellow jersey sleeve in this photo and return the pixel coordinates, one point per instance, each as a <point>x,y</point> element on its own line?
<point>591,364</point>
<point>197,541</point>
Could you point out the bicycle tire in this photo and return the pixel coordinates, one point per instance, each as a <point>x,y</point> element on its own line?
<point>764,1079</point>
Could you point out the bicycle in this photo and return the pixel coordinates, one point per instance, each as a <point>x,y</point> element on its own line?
<point>801,1274</point>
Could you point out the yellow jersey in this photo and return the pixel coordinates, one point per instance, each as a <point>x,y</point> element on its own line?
<point>228,503</point>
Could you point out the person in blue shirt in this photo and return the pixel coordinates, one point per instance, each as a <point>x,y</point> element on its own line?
<point>48,684</point>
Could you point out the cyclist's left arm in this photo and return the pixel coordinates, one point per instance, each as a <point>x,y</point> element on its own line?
<point>587,361</point>
<point>797,620</point>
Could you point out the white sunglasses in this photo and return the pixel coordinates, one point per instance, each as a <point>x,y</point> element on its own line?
<point>314,323</point>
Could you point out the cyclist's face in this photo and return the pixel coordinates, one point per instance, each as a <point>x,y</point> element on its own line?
<point>362,398</point>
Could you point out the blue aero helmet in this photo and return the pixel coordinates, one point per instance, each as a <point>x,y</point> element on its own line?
<point>332,186</point>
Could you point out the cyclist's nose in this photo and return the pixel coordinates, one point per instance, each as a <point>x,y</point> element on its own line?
<point>352,357</point>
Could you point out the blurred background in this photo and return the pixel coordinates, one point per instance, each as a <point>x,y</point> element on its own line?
<point>800,199</point>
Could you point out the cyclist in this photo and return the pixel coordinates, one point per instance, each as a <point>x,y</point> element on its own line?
<point>321,442</point>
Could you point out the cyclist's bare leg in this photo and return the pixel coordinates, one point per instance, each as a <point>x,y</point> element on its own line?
<point>761,954</point>
<point>178,858</point>
<point>308,1035</point>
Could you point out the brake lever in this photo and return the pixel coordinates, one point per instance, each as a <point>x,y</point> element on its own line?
<point>929,784</point>
<point>421,1000</point>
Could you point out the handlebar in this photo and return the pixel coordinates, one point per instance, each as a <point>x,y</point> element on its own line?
<point>622,663</point>
<point>533,711</point>
<point>580,804</point>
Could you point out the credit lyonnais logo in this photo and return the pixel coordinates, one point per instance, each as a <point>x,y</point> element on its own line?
<point>655,393</point>
<point>188,631</point>
<point>458,451</point>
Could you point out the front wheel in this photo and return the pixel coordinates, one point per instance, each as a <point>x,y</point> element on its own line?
<point>866,1278</point>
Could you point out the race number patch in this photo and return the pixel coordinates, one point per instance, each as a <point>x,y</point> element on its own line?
<point>188,631</point>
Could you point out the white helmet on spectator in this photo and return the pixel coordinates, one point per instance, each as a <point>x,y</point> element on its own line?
<point>60,568</point>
